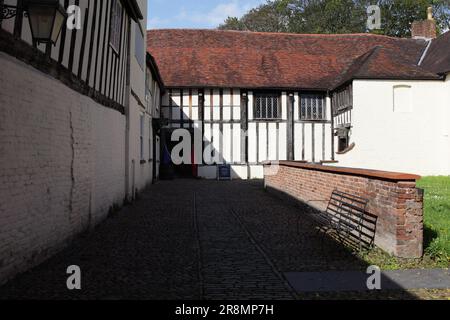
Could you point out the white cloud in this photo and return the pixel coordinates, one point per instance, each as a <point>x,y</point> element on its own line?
<point>205,19</point>
<point>222,11</point>
<point>218,14</point>
<point>156,22</point>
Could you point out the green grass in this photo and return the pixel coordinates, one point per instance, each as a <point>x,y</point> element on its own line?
<point>437,217</point>
<point>436,231</point>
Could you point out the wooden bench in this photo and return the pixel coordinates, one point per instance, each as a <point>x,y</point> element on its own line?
<point>347,220</point>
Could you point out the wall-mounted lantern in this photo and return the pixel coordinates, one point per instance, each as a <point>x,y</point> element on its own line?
<point>46,18</point>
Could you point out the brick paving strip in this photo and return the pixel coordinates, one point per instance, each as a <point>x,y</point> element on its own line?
<point>338,281</point>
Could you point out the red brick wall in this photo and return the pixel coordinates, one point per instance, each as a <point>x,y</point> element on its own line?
<point>397,204</point>
<point>424,29</point>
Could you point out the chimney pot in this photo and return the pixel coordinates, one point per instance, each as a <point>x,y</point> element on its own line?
<point>430,13</point>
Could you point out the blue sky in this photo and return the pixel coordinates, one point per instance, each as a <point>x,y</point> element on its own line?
<point>195,13</point>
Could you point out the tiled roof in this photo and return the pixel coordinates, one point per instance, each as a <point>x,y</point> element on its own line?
<point>386,64</point>
<point>438,56</point>
<point>254,60</point>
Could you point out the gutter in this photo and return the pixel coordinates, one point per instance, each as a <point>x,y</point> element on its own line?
<point>132,7</point>
<point>151,63</point>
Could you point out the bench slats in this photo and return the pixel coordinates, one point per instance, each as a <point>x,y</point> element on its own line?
<point>346,216</point>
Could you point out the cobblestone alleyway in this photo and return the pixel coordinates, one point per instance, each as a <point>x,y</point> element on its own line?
<point>188,239</point>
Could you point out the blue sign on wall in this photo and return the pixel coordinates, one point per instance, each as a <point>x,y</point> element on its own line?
<point>224,172</point>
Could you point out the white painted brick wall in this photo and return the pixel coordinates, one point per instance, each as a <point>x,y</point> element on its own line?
<point>62,165</point>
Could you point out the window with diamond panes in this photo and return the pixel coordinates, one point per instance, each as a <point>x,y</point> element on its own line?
<point>313,107</point>
<point>267,106</point>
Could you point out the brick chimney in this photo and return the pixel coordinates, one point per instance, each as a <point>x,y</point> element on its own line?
<point>425,29</point>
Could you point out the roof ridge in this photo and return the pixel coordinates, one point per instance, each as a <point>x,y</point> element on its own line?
<point>358,62</point>
<point>286,33</point>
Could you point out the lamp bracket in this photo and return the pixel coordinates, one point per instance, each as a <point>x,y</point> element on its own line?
<point>7,11</point>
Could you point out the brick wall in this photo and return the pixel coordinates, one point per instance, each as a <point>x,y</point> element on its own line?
<point>424,29</point>
<point>393,198</point>
<point>62,165</point>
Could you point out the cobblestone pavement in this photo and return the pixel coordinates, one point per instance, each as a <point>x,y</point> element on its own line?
<point>190,239</point>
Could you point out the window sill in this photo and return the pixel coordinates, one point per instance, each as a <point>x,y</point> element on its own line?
<point>329,162</point>
<point>347,150</point>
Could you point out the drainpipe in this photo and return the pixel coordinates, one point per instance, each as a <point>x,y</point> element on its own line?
<point>127,115</point>
<point>329,96</point>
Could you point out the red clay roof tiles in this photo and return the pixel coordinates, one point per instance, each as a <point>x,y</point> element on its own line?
<point>438,56</point>
<point>254,60</point>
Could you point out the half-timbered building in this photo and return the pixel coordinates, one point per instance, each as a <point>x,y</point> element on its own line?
<point>359,100</point>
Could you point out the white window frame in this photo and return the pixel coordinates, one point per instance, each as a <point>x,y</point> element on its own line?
<point>139,33</point>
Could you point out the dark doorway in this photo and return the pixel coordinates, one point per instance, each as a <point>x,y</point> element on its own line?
<point>184,171</point>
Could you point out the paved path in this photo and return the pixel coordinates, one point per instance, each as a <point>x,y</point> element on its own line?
<point>338,281</point>
<point>189,239</point>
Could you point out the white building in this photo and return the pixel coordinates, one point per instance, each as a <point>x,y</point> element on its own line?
<point>358,100</point>
<point>69,126</point>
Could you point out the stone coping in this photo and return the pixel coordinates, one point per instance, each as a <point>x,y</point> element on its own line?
<point>376,174</point>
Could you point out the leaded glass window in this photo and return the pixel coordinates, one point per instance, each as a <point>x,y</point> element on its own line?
<point>267,106</point>
<point>313,107</point>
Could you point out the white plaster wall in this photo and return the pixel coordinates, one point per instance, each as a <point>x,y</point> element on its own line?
<point>447,117</point>
<point>414,142</point>
<point>140,174</point>
<point>138,72</point>
<point>61,165</point>
<point>243,172</point>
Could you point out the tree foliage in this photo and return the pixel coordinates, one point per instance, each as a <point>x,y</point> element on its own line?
<point>339,16</point>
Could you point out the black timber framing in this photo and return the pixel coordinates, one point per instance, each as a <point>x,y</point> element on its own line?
<point>244,126</point>
<point>1,20</point>
<point>201,116</point>
<point>72,75</point>
<point>97,50</point>
<point>105,50</point>
<point>91,42</point>
<point>221,159</point>
<point>18,22</point>
<point>309,147</point>
<point>73,41</point>
<point>83,42</point>
<point>290,126</point>
<point>63,37</point>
